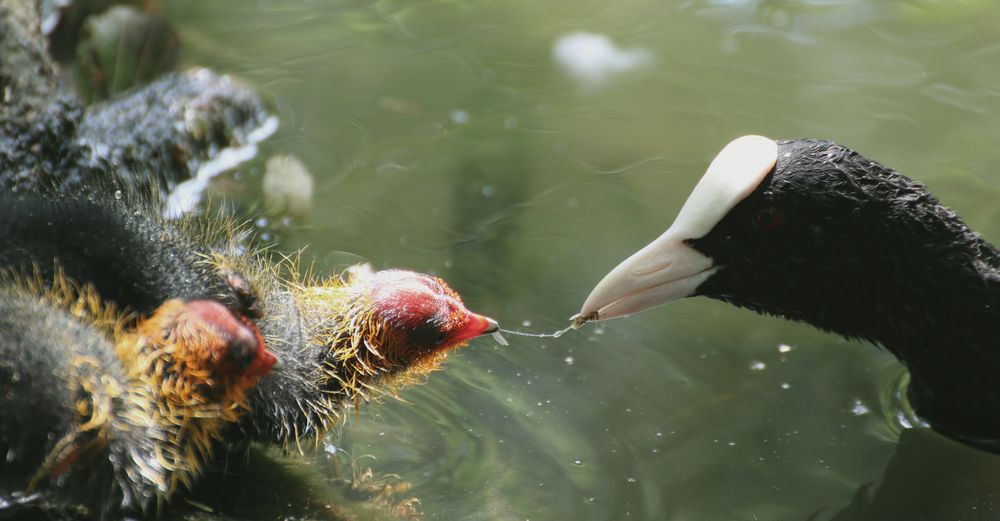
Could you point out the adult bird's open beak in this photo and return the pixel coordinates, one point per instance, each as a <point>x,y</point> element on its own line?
<point>667,269</point>
<point>664,271</point>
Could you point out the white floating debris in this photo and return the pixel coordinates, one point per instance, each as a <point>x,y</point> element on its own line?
<point>593,59</point>
<point>287,186</point>
<point>187,194</point>
<point>784,348</point>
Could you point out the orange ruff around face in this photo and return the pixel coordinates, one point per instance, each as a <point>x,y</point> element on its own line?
<point>197,361</point>
<point>200,354</point>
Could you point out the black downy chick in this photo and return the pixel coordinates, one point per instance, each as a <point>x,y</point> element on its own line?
<point>813,231</point>
<point>342,339</point>
<point>113,417</point>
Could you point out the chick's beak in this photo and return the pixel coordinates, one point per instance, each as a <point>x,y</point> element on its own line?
<point>476,326</point>
<point>266,361</point>
<point>492,327</point>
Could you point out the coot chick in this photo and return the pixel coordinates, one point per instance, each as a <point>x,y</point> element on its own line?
<point>341,338</point>
<point>813,231</point>
<point>113,418</point>
<point>348,339</point>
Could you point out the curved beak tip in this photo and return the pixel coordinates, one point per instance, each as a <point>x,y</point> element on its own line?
<point>278,362</point>
<point>491,326</point>
<point>578,320</point>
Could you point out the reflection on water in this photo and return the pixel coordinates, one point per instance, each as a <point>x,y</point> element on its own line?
<point>445,137</point>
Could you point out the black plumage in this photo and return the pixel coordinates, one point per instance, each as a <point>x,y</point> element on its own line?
<point>131,256</point>
<point>46,358</point>
<point>841,242</point>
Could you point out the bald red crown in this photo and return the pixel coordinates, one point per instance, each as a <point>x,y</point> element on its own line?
<point>428,315</point>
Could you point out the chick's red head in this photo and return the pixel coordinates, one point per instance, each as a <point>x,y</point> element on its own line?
<point>209,336</point>
<point>421,316</point>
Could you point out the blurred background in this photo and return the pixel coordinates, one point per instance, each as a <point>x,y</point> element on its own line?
<point>520,149</point>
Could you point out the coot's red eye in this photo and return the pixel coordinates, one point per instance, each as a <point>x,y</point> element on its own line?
<point>767,219</point>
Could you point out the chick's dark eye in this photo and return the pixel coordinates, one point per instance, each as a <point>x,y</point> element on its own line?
<point>768,218</point>
<point>428,335</point>
<point>242,351</point>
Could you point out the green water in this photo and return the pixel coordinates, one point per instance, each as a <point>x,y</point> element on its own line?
<point>445,138</point>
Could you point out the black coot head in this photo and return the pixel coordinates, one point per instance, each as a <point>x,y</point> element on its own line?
<point>804,229</point>
<point>822,238</point>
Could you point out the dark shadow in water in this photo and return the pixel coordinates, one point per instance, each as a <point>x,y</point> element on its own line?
<point>503,171</point>
<point>929,478</point>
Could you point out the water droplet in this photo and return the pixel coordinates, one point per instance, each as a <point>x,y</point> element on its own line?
<point>526,323</point>
<point>786,385</point>
<point>859,408</point>
<point>569,360</point>
<point>459,116</point>
<point>578,462</point>
<point>631,479</point>
<point>757,365</point>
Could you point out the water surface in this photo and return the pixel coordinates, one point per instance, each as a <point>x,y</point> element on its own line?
<point>446,137</point>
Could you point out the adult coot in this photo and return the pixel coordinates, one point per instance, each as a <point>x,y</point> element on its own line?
<point>813,231</point>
